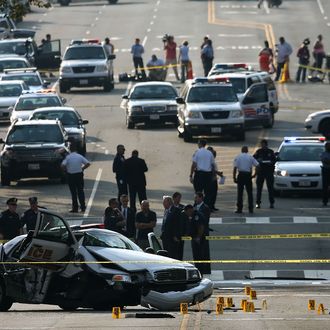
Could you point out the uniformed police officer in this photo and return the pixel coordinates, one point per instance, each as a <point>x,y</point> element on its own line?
<point>325,159</point>
<point>10,223</point>
<point>196,229</point>
<point>29,217</point>
<point>201,171</point>
<point>265,171</point>
<point>243,164</point>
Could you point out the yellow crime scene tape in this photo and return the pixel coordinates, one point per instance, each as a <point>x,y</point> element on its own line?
<point>169,261</point>
<point>314,68</point>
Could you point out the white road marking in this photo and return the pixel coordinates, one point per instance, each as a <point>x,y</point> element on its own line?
<point>266,7</point>
<point>88,32</point>
<point>96,18</point>
<point>91,198</point>
<point>239,12</point>
<point>106,152</point>
<point>320,6</point>
<point>152,23</point>
<point>148,30</point>
<point>232,35</point>
<point>257,220</point>
<point>144,40</point>
<point>158,2</point>
<point>155,16</point>
<point>304,220</point>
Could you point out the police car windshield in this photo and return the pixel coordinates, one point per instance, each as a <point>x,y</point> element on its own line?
<point>108,240</point>
<point>67,118</point>
<point>10,90</point>
<point>153,92</point>
<point>35,134</point>
<point>238,84</point>
<point>12,64</point>
<point>209,93</point>
<point>30,80</point>
<point>31,103</point>
<point>300,153</point>
<point>84,53</point>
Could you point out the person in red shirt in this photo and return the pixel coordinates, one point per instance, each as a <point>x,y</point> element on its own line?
<point>170,55</point>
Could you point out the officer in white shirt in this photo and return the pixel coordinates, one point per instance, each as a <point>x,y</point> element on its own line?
<point>201,171</point>
<point>243,164</point>
<point>74,165</point>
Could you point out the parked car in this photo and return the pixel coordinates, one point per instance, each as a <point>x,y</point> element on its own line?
<point>28,102</point>
<point>33,148</point>
<point>13,62</point>
<point>9,26</point>
<point>71,120</point>
<point>319,122</point>
<point>10,91</point>
<point>298,165</point>
<point>102,269</point>
<point>150,102</point>
<point>67,2</point>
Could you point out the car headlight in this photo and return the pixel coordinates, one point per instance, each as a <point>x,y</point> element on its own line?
<point>282,173</point>
<point>172,108</point>
<point>136,109</point>
<point>65,69</point>
<point>7,155</point>
<point>236,113</point>
<point>101,68</point>
<point>193,114</point>
<point>194,274</point>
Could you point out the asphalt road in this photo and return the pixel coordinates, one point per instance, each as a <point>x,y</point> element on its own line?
<point>238,30</point>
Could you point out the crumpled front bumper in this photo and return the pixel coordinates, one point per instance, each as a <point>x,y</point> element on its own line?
<point>171,300</point>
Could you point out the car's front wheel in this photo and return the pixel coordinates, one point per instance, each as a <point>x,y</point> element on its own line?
<point>5,177</point>
<point>112,2</point>
<point>270,123</point>
<point>64,87</point>
<point>324,127</point>
<point>5,302</point>
<point>129,123</point>
<point>240,136</point>
<point>187,137</point>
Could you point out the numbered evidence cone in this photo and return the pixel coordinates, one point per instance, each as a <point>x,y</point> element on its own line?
<point>250,307</point>
<point>184,308</point>
<point>253,294</point>
<point>220,300</point>
<point>243,304</point>
<point>229,302</point>
<point>311,305</point>
<point>190,74</point>
<point>264,304</point>
<point>247,290</point>
<point>321,309</point>
<point>285,77</point>
<point>116,312</point>
<point>219,309</point>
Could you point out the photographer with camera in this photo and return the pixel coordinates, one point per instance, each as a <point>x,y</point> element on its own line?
<point>170,54</point>
<point>113,218</point>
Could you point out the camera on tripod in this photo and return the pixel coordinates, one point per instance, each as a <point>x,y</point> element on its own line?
<point>166,37</point>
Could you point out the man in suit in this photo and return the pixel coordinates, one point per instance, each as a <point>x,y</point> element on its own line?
<point>135,168</point>
<point>201,207</point>
<point>129,216</point>
<point>118,169</point>
<point>171,233</point>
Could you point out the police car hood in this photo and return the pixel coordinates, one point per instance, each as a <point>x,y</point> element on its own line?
<point>320,113</point>
<point>87,62</point>
<point>299,167</point>
<point>213,106</point>
<point>8,101</point>
<point>24,115</point>
<point>34,145</point>
<point>132,260</point>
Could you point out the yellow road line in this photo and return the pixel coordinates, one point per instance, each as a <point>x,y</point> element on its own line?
<point>184,322</point>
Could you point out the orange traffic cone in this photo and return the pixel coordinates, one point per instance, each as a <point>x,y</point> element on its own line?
<point>285,77</point>
<point>190,74</point>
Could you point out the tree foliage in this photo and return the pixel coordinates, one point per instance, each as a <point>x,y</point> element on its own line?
<point>18,8</point>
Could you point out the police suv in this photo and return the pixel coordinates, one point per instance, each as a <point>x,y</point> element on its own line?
<point>210,107</point>
<point>86,63</point>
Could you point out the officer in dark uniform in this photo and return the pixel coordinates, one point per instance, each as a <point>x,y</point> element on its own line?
<point>325,159</point>
<point>10,223</point>
<point>29,217</point>
<point>265,171</point>
<point>195,222</point>
<point>118,169</point>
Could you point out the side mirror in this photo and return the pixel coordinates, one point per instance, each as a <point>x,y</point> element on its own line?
<point>124,97</point>
<point>2,141</point>
<point>180,100</point>
<point>149,250</point>
<point>64,100</point>
<point>46,83</point>
<point>111,57</point>
<point>162,253</point>
<point>11,108</point>
<point>85,122</point>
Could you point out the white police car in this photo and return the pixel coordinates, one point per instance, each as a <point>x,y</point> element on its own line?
<point>319,122</point>
<point>298,166</point>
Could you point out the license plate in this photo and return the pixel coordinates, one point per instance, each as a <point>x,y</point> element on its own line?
<point>83,81</point>
<point>154,117</point>
<point>216,130</point>
<point>34,167</point>
<point>304,183</point>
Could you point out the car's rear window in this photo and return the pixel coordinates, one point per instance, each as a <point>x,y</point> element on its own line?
<point>31,103</point>
<point>30,80</point>
<point>216,93</point>
<point>35,134</point>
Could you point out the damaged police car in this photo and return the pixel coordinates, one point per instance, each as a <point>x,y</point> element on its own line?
<point>92,268</point>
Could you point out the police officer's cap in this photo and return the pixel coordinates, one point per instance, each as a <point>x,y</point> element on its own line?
<point>33,200</point>
<point>12,200</point>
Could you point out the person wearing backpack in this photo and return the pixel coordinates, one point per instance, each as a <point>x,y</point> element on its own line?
<point>303,55</point>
